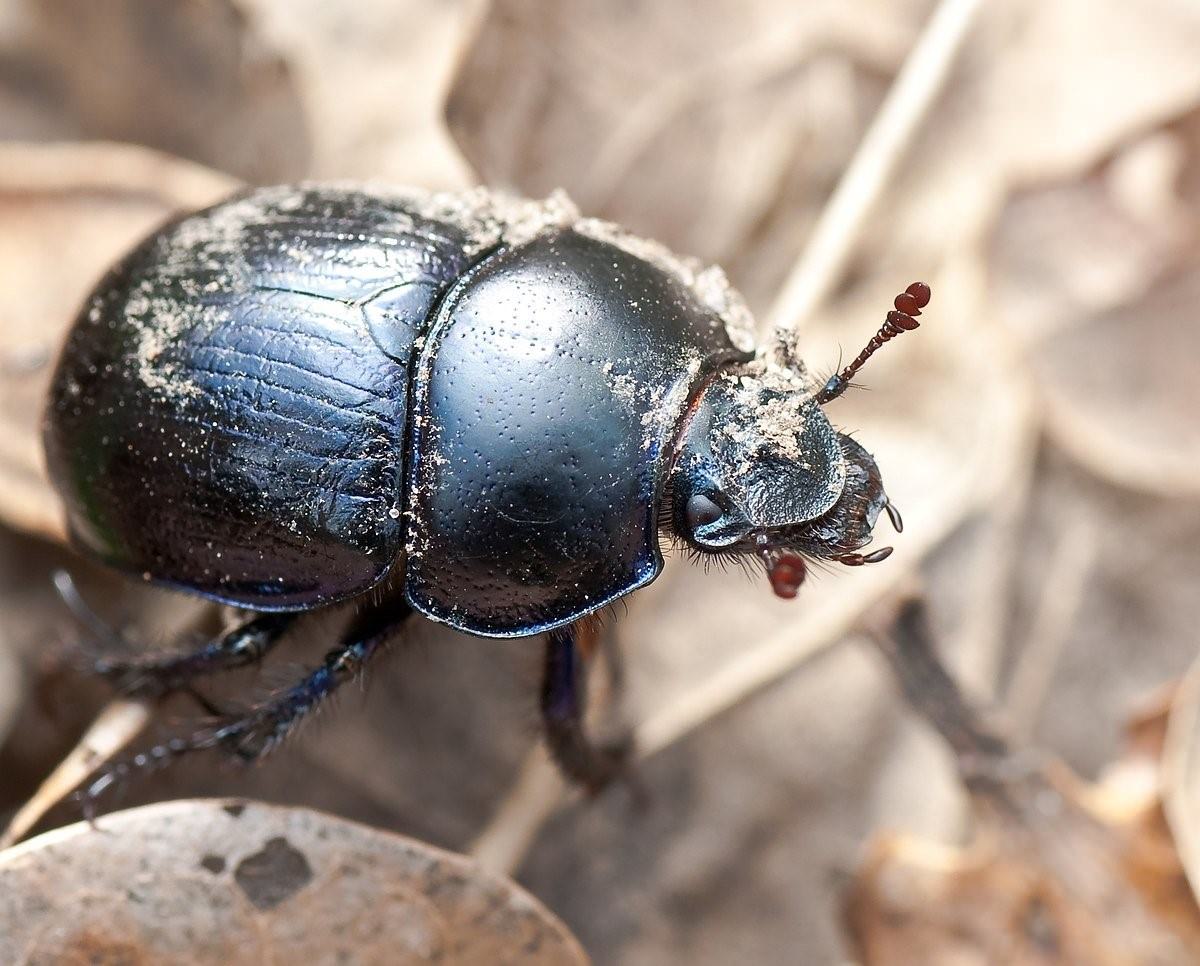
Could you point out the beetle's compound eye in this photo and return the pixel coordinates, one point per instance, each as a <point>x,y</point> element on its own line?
<point>701,512</point>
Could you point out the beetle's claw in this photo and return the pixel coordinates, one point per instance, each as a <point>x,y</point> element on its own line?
<point>616,764</point>
<point>858,559</point>
<point>88,798</point>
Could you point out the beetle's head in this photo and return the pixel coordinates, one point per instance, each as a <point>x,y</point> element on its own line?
<point>761,471</point>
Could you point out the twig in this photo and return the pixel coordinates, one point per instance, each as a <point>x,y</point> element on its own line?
<point>883,146</point>
<point>772,659</point>
<point>117,725</point>
<point>909,648</point>
<point>1062,594</point>
<point>981,635</point>
<point>536,795</point>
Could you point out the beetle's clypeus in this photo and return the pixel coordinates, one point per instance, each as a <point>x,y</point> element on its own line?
<point>478,408</point>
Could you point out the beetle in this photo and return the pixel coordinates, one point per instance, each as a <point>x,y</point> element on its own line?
<point>478,408</point>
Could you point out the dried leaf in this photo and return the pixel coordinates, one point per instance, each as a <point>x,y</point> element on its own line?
<point>724,140</point>
<point>699,137</point>
<point>1057,871</point>
<point>721,132</point>
<point>372,75</point>
<point>237,882</point>
<point>1097,278</point>
<point>194,79</point>
<point>66,213</point>
<point>1181,773</point>
<point>1079,875</point>
<point>1043,92</point>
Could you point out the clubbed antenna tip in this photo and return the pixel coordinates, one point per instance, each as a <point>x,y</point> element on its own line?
<point>902,319</point>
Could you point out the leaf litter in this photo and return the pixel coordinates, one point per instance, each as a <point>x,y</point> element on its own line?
<point>1048,196</point>
<point>234,881</point>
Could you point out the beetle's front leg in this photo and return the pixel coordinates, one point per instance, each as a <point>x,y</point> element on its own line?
<point>564,701</point>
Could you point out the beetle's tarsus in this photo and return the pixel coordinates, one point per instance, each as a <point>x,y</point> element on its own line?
<point>86,799</point>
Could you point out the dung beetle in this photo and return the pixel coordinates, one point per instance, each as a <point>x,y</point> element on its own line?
<point>483,409</point>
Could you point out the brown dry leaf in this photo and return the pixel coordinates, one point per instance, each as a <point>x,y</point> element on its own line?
<point>372,75</point>
<point>701,137</point>
<point>1058,870</point>
<point>1042,92</point>
<point>999,901</point>
<point>237,882</point>
<point>1097,279</point>
<point>1181,773</point>
<point>67,211</point>
<point>724,139</point>
<point>195,79</point>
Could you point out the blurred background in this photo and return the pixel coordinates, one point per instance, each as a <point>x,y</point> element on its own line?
<point>1039,435</point>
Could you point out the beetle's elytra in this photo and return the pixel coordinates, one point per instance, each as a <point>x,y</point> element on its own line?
<point>482,409</point>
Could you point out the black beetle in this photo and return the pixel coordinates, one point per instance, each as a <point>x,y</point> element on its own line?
<point>480,408</point>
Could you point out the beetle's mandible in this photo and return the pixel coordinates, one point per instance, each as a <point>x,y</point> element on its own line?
<point>482,409</point>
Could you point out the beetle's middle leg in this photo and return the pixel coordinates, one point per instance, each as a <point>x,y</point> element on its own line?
<point>261,729</point>
<point>564,701</point>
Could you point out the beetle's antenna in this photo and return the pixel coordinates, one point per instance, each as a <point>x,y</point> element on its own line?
<point>902,319</point>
